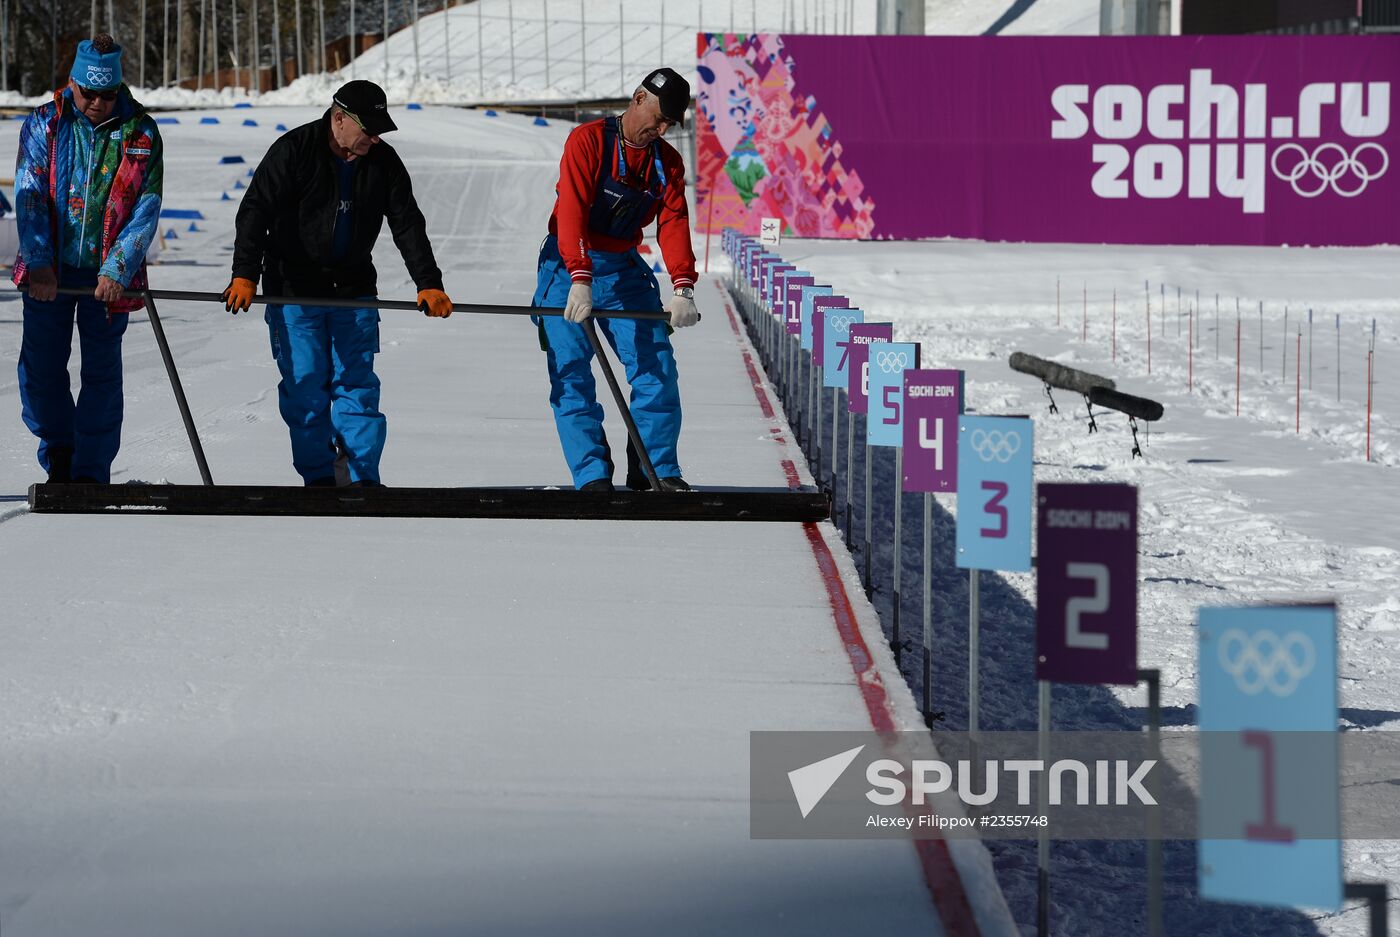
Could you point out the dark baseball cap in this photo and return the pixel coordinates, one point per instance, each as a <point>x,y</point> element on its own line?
<point>672,91</point>
<point>366,101</point>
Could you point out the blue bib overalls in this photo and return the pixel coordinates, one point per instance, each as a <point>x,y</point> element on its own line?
<point>621,280</point>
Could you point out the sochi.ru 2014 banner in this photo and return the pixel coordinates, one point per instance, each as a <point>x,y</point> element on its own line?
<point>1149,140</point>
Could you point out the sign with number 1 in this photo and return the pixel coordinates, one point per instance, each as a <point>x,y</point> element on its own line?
<point>1270,829</point>
<point>994,504</point>
<point>775,284</point>
<point>791,297</point>
<point>932,403</point>
<point>1086,584</point>
<point>884,423</point>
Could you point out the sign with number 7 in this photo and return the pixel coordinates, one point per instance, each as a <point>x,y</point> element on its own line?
<point>995,478</point>
<point>1086,584</point>
<point>836,344</point>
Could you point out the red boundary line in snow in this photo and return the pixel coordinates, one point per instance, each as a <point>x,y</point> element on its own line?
<point>940,873</point>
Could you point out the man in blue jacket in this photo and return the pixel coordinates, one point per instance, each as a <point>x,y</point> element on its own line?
<point>87,196</point>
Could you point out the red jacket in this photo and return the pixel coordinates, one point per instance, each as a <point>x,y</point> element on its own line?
<point>578,178</point>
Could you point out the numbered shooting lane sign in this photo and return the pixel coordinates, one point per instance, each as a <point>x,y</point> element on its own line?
<point>836,344</point>
<point>809,295</point>
<point>772,294</point>
<point>1086,584</point>
<point>858,368</point>
<point>750,260</point>
<point>1270,828</point>
<point>792,299</point>
<point>933,400</point>
<point>884,423</point>
<point>995,459</point>
<point>765,273</point>
<point>820,305</point>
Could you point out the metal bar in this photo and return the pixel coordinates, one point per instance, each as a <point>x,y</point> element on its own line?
<point>895,643</point>
<point>868,587</point>
<point>974,650</point>
<point>928,609</point>
<point>179,390</point>
<point>850,469</point>
<point>470,308</point>
<point>1376,897</point>
<point>1042,858</point>
<point>1153,679</point>
<point>143,500</point>
<point>835,441</point>
<point>632,433</point>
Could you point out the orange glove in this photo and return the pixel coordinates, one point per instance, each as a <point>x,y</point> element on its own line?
<point>434,303</point>
<point>238,296</point>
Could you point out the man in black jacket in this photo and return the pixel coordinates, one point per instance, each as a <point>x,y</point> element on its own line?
<point>306,226</point>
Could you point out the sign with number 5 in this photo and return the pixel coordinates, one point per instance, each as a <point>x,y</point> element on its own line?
<point>995,459</point>
<point>884,422</point>
<point>1086,584</point>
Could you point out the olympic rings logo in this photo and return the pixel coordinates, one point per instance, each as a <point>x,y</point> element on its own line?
<point>1266,661</point>
<point>1310,173</point>
<point>840,324</point>
<point>994,444</point>
<point>892,361</point>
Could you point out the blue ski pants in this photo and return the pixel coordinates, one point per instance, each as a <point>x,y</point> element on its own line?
<point>92,426</point>
<point>329,393</point>
<point>620,281</point>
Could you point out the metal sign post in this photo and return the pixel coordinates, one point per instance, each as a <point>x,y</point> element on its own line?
<point>933,402</point>
<point>857,401</point>
<point>884,426</point>
<point>1088,544</point>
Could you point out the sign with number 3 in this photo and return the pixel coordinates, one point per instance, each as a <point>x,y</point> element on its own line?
<point>995,459</point>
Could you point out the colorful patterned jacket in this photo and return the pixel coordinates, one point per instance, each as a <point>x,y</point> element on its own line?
<point>108,181</point>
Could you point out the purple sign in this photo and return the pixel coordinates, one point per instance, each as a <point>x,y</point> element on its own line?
<point>858,368</point>
<point>792,302</point>
<point>1086,584</point>
<point>932,404</point>
<point>819,324</point>
<point>775,282</point>
<point>1134,139</point>
<point>765,273</point>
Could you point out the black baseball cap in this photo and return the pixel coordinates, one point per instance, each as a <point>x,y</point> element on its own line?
<point>672,91</point>
<point>366,101</point>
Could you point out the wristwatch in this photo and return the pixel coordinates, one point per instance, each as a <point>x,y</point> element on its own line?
<point>687,291</point>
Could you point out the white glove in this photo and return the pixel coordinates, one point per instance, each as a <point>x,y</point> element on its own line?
<point>580,303</point>
<point>683,312</point>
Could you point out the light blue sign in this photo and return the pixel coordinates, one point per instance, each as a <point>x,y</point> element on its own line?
<point>884,420</point>
<point>995,483</point>
<point>836,342</point>
<point>810,293</point>
<point>1269,770</point>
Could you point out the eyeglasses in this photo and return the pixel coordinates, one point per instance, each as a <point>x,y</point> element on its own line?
<point>351,114</point>
<point>92,94</point>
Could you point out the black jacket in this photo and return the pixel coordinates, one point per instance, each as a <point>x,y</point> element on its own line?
<point>287,219</point>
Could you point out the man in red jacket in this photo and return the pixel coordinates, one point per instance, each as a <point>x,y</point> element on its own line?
<point>617,176</point>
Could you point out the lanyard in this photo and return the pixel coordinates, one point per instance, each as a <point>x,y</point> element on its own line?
<point>622,159</point>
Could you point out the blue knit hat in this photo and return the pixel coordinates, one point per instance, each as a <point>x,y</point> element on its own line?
<point>101,71</point>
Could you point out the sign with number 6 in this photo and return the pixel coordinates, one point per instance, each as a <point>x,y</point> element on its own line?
<point>995,479</point>
<point>1086,584</point>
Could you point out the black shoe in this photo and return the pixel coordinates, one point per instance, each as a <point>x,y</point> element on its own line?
<point>599,484</point>
<point>327,481</point>
<point>674,483</point>
<point>60,465</point>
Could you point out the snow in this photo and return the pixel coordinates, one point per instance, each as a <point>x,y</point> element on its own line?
<point>360,726</point>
